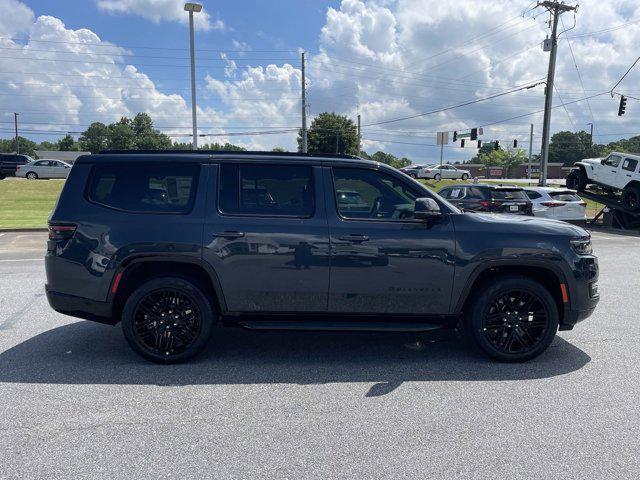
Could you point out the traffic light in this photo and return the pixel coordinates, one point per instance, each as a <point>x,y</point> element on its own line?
<point>623,105</point>
<point>455,137</point>
<point>515,144</point>
<point>474,134</point>
<point>462,143</point>
<point>479,143</point>
<point>496,145</point>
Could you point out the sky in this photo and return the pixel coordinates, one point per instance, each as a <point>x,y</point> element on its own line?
<point>398,63</point>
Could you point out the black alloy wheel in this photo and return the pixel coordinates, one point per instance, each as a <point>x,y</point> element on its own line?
<point>168,319</point>
<point>513,318</point>
<point>515,322</point>
<point>631,197</point>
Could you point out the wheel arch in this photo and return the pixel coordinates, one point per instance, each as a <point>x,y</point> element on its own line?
<point>135,271</point>
<point>547,275</point>
<point>633,183</point>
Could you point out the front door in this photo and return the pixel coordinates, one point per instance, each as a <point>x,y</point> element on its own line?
<point>608,174</point>
<point>266,236</point>
<point>382,260</point>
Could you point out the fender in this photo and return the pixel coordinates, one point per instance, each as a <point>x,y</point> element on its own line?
<point>483,267</point>
<point>177,258</point>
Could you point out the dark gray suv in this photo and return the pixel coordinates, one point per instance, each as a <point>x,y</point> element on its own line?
<point>173,244</point>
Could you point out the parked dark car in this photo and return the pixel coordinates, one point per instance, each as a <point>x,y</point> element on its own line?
<point>489,198</point>
<point>174,244</point>
<point>9,163</point>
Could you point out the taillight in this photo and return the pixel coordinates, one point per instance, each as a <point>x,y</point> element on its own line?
<point>552,204</point>
<point>583,204</point>
<point>61,232</point>
<point>487,204</point>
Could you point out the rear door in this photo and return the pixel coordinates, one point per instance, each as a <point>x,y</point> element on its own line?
<point>628,171</point>
<point>382,260</point>
<point>266,236</point>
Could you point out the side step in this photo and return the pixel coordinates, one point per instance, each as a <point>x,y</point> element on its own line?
<point>346,326</point>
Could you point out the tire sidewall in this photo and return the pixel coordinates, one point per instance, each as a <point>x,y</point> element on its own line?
<point>437,177</point>
<point>31,176</point>
<point>465,176</point>
<point>185,286</point>
<point>483,300</point>
<point>635,191</point>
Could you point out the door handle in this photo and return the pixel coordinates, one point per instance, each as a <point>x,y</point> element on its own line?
<point>228,234</point>
<point>354,238</point>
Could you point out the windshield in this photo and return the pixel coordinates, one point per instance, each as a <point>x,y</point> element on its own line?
<point>504,194</point>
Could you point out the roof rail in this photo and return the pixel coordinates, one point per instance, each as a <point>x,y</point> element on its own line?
<point>230,152</point>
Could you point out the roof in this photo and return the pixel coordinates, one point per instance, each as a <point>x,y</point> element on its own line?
<point>548,189</point>
<point>205,156</point>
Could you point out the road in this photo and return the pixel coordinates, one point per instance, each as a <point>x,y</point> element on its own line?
<point>76,402</point>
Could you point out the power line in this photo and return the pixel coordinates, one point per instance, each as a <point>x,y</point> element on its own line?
<point>625,74</point>
<point>444,109</point>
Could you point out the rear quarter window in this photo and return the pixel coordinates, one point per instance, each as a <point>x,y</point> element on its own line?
<point>144,187</point>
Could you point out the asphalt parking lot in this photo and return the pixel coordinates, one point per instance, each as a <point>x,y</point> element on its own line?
<point>76,402</point>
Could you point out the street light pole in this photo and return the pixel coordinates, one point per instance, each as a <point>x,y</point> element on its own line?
<point>15,122</point>
<point>191,8</point>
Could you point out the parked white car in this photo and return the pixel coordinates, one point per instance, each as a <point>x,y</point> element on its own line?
<point>438,172</point>
<point>558,203</point>
<point>616,172</point>
<point>412,170</point>
<point>44,168</point>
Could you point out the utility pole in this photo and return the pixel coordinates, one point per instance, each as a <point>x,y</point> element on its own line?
<point>359,137</point>
<point>530,150</point>
<point>555,9</point>
<point>337,142</point>
<point>191,8</point>
<point>15,122</point>
<point>590,138</point>
<point>304,108</point>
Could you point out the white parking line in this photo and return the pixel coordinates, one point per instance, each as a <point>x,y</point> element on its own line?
<point>22,260</point>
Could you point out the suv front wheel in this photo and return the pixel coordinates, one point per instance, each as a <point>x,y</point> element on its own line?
<point>513,319</point>
<point>576,180</point>
<point>168,320</point>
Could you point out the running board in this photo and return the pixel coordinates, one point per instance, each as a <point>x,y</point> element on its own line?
<point>353,326</point>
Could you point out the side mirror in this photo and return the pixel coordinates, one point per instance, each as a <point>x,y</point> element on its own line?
<point>426,209</point>
<point>603,161</point>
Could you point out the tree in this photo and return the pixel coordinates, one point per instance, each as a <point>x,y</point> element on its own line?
<point>390,159</point>
<point>94,138</point>
<point>278,149</point>
<point>120,135</point>
<point>331,133</point>
<point>569,147</point>
<point>26,146</point>
<point>513,157</point>
<point>45,145</point>
<point>67,144</point>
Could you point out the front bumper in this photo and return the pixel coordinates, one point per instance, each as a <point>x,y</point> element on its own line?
<point>583,298</point>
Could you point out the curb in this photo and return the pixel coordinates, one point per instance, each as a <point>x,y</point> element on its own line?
<point>23,230</point>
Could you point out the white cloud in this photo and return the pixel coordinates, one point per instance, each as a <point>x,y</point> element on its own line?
<point>161,10</point>
<point>62,80</point>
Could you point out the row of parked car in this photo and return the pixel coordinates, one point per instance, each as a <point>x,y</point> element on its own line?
<point>17,165</point>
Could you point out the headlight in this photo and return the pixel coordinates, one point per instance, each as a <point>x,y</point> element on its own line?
<point>582,246</point>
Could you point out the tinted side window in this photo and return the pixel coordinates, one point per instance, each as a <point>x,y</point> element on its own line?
<point>144,187</point>
<point>363,193</point>
<point>475,193</point>
<point>270,190</point>
<point>629,164</point>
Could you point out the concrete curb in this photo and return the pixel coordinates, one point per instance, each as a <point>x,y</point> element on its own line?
<point>23,230</point>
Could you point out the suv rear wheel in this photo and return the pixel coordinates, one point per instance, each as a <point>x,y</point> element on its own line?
<point>168,320</point>
<point>513,319</point>
<point>576,180</point>
<point>631,197</point>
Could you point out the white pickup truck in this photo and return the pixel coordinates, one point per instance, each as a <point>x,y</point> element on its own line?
<point>616,172</point>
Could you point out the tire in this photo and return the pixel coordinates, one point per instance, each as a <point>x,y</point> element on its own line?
<point>631,197</point>
<point>161,298</point>
<point>413,174</point>
<point>437,177</point>
<point>31,176</point>
<point>465,176</point>
<point>496,305</point>
<point>576,180</point>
